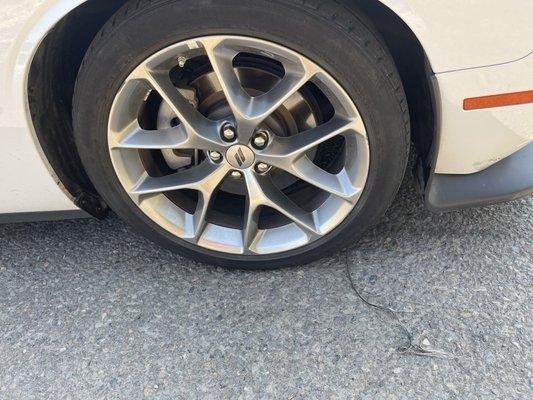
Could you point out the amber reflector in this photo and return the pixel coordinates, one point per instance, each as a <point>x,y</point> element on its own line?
<point>498,100</point>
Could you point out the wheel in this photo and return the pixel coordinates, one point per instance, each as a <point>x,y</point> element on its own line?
<point>250,134</point>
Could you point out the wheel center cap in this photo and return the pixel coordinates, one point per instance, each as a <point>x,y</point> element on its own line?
<point>240,156</point>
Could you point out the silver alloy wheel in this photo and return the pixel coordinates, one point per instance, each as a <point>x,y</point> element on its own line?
<point>201,134</point>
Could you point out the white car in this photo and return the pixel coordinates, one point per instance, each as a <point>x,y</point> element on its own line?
<point>261,133</point>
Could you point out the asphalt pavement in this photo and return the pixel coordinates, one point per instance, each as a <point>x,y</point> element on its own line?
<point>89,309</point>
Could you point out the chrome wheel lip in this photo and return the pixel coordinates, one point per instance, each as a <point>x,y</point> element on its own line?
<point>190,227</point>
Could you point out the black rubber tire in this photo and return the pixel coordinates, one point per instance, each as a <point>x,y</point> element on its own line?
<point>337,38</point>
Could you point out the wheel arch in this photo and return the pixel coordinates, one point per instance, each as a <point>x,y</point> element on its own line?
<point>63,47</point>
<point>60,54</point>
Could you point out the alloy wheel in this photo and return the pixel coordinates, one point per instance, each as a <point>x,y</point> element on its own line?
<point>238,145</point>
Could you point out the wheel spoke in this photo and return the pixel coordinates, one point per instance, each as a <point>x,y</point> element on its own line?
<point>221,59</point>
<point>264,105</point>
<point>204,178</point>
<point>251,220</point>
<point>289,154</point>
<point>201,132</point>
<point>262,192</point>
<point>134,137</point>
<point>284,150</point>
<point>336,184</point>
<point>250,111</point>
<point>195,227</point>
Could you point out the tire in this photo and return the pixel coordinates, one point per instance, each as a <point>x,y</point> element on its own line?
<point>335,37</point>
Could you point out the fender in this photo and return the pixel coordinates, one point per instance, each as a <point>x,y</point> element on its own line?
<point>501,31</point>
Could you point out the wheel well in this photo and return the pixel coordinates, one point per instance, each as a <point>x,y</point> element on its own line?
<point>50,98</point>
<point>62,51</point>
<point>411,62</point>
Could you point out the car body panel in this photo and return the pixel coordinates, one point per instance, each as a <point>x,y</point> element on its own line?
<point>470,141</point>
<point>463,36</point>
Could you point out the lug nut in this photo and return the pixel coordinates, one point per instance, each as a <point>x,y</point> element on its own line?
<point>181,61</point>
<point>262,167</point>
<point>215,156</point>
<point>260,139</point>
<point>236,174</point>
<point>228,132</point>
